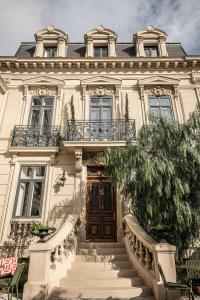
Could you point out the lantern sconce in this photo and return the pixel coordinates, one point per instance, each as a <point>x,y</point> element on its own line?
<point>60,180</point>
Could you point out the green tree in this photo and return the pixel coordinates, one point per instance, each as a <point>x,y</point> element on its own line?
<point>160,176</point>
<point>126,115</point>
<point>72,109</point>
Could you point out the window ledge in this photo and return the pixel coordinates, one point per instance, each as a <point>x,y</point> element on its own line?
<point>13,149</point>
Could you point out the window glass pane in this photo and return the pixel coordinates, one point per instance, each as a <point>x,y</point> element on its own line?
<point>35,119</point>
<point>154,51</point>
<point>166,113</point>
<point>107,101</point>
<point>154,111</point>
<point>26,172</point>
<point>50,51</point>
<point>104,51</point>
<point>106,113</point>
<point>147,52</point>
<point>95,101</point>
<point>47,117</point>
<point>39,171</point>
<point>37,101</point>
<point>95,113</point>
<point>36,200</point>
<point>164,101</point>
<point>48,101</point>
<point>97,51</point>
<point>153,101</point>
<point>22,201</point>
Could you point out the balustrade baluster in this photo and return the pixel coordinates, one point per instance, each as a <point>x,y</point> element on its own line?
<point>147,259</point>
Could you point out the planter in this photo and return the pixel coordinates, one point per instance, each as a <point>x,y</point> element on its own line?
<point>43,232</point>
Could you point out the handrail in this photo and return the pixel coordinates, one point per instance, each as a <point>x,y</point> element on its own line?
<point>50,261</point>
<point>145,254</point>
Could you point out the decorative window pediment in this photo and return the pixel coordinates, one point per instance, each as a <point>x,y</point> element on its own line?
<point>158,86</point>
<point>159,80</point>
<point>42,86</point>
<point>43,80</point>
<point>51,38</point>
<point>152,38</point>
<point>101,86</point>
<point>100,37</point>
<point>3,87</point>
<point>105,80</point>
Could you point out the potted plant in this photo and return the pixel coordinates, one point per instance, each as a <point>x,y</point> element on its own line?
<point>41,231</point>
<point>160,233</point>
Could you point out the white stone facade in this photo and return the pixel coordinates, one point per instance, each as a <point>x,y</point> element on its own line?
<point>63,78</point>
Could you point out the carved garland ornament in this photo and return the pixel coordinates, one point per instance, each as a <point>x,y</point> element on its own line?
<point>43,91</point>
<point>159,91</point>
<point>101,91</point>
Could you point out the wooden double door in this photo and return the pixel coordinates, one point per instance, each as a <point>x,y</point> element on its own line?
<point>100,208</point>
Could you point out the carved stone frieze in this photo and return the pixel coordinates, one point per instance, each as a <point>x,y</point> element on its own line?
<point>159,91</point>
<point>195,78</point>
<point>100,91</point>
<point>43,91</point>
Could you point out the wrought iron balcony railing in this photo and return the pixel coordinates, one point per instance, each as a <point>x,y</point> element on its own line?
<point>35,136</point>
<point>114,130</point>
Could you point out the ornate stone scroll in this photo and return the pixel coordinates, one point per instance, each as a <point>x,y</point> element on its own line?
<point>43,91</point>
<point>159,91</point>
<point>100,91</point>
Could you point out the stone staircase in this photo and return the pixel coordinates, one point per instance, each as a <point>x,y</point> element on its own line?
<point>100,271</point>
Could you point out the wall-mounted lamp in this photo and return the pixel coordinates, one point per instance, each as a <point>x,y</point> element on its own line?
<point>61,179</point>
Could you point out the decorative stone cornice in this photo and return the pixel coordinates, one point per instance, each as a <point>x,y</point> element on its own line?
<point>86,64</point>
<point>3,86</point>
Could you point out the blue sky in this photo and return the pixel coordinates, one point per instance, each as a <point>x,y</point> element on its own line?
<point>20,19</point>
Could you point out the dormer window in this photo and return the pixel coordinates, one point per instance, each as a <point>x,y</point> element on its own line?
<point>51,42</point>
<point>100,51</point>
<point>100,42</point>
<point>50,51</point>
<point>150,42</point>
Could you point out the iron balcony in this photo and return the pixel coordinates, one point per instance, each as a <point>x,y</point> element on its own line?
<point>111,130</point>
<point>35,136</point>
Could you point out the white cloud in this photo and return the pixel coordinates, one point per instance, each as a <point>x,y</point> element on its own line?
<point>20,19</point>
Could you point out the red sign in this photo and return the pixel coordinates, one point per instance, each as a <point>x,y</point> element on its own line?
<point>8,265</point>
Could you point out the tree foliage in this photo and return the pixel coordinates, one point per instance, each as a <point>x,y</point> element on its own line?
<point>160,176</point>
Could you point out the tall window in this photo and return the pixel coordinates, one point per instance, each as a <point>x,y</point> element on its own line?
<point>100,51</point>
<point>161,106</point>
<point>50,51</point>
<point>151,51</point>
<point>101,116</point>
<point>30,191</point>
<point>41,111</point>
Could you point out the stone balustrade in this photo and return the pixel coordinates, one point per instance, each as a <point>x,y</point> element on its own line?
<point>50,261</point>
<point>145,254</point>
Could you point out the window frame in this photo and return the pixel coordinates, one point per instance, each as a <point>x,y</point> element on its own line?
<point>158,97</point>
<point>42,109</point>
<point>150,47</point>
<point>32,180</point>
<point>46,47</point>
<point>100,47</point>
<point>101,106</point>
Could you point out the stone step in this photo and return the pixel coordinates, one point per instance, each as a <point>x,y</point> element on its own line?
<point>102,258</point>
<point>90,245</point>
<point>101,265</point>
<point>101,282</point>
<point>118,292</point>
<point>127,273</point>
<point>101,251</point>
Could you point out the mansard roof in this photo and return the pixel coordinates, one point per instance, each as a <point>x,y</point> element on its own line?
<point>77,50</point>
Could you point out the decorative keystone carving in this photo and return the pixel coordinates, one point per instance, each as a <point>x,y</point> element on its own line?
<point>195,78</point>
<point>78,163</point>
<point>100,91</point>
